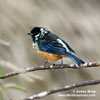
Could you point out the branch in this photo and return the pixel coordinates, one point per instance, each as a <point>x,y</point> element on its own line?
<point>67,87</point>
<point>54,66</point>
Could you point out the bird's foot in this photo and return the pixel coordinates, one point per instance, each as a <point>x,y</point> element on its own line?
<point>62,61</point>
<point>44,64</point>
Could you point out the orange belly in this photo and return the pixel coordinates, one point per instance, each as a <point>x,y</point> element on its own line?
<point>50,57</point>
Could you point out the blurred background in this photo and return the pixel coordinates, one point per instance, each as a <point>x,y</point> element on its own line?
<point>75,21</point>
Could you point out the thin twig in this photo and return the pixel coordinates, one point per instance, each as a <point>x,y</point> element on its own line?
<point>54,66</point>
<point>64,88</point>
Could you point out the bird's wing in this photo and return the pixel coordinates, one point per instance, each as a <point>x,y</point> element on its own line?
<point>55,47</point>
<point>69,47</point>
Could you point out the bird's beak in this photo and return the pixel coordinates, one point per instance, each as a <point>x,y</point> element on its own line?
<point>29,33</point>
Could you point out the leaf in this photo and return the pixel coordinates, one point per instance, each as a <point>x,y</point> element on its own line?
<point>21,88</point>
<point>1,71</point>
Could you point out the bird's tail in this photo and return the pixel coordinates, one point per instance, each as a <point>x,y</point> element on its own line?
<point>76,59</point>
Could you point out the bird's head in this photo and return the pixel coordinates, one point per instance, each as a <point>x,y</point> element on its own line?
<point>37,33</point>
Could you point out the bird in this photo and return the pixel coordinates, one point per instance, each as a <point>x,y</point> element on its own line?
<point>51,47</point>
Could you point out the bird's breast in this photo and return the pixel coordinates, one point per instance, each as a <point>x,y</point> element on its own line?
<point>35,46</point>
<point>48,56</point>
